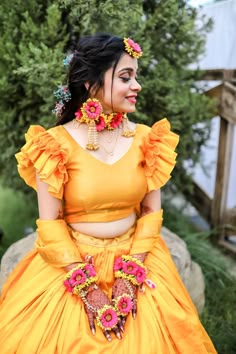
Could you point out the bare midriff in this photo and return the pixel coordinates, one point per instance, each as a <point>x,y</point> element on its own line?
<point>105,229</point>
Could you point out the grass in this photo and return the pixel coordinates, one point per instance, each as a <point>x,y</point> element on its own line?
<point>219,315</point>
<point>17,212</point>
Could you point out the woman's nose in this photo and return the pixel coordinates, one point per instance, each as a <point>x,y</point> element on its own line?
<point>136,86</point>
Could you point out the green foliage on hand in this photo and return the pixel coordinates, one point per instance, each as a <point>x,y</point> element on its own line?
<point>37,34</point>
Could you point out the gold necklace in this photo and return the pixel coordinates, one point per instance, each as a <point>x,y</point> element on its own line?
<point>111,152</point>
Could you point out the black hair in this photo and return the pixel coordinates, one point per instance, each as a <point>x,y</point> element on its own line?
<point>94,55</point>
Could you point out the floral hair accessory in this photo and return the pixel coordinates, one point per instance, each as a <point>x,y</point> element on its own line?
<point>130,268</point>
<point>132,48</point>
<point>80,277</point>
<point>123,304</point>
<point>107,317</point>
<point>67,60</point>
<point>63,95</point>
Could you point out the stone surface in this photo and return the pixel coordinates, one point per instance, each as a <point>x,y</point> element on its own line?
<point>190,271</point>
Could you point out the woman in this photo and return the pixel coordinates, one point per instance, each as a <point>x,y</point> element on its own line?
<point>100,279</point>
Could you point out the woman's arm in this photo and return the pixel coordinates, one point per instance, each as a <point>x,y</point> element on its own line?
<point>50,208</point>
<point>151,202</point>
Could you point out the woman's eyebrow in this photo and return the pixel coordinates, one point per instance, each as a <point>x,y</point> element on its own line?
<point>126,69</point>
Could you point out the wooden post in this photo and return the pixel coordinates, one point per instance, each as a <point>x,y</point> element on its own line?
<point>222,171</point>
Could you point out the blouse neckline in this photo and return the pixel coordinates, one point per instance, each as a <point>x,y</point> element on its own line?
<point>124,156</point>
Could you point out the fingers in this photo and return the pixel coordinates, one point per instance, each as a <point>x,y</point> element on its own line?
<point>107,335</point>
<point>121,324</point>
<point>117,332</point>
<point>134,309</point>
<point>91,322</point>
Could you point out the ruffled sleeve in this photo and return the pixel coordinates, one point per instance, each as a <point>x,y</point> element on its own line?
<point>42,153</point>
<point>159,154</point>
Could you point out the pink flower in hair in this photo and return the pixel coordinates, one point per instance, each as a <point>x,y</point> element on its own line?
<point>135,46</point>
<point>140,275</point>
<point>118,264</point>
<point>77,277</point>
<point>130,267</point>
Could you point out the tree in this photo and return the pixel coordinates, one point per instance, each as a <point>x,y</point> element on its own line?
<point>37,34</point>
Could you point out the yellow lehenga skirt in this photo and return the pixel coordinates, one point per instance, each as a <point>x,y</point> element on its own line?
<point>37,315</point>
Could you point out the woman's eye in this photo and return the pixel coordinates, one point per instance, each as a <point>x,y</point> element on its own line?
<point>125,79</point>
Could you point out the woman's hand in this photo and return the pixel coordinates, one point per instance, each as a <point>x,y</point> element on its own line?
<point>124,286</point>
<point>95,300</point>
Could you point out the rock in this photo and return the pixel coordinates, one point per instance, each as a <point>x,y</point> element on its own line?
<point>190,271</point>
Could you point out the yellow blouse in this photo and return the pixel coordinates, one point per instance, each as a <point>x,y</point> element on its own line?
<point>92,190</point>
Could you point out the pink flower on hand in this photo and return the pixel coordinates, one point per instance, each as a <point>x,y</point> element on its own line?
<point>140,275</point>
<point>109,318</point>
<point>125,305</point>
<point>100,124</point>
<point>92,108</point>
<point>130,267</point>
<point>77,277</point>
<point>90,270</point>
<point>68,285</point>
<point>116,120</point>
<point>118,264</point>
<point>135,46</point>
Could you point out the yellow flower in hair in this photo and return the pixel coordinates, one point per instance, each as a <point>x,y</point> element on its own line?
<point>132,48</point>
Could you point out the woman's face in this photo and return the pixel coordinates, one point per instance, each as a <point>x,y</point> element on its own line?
<point>121,94</point>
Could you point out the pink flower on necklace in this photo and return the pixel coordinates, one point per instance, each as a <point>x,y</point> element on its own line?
<point>130,267</point>
<point>124,305</point>
<point>78,114</point>
<point>92,108</point>
<point>109,318</point>
<point>116,120</point>
<point>100,124</point>
<point>140,275</point>
<point>77,277</point>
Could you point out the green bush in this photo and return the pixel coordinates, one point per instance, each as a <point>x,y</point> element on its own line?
<point>219,315</point>
<point>16,213</point>
<point>36,34</point>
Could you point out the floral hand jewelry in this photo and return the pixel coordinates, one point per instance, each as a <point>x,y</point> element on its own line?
<point>130,268</point>
<point>80,277</point>
<point>123,304</point>
<point>91,114</point>
<point>133,270</point>
<point>80,281</point>
<point>132,48</point>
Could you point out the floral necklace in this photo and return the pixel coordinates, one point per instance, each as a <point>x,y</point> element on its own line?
<point>91,114</point>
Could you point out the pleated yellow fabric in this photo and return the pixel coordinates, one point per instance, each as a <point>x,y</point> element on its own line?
<point>54,243</point>
<point>147,230</point>
<point>39,316</point>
